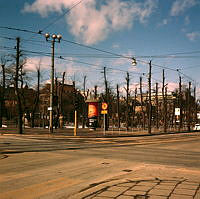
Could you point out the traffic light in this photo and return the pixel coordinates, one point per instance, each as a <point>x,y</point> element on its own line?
<point>55,100</point>
<point>76,104</point>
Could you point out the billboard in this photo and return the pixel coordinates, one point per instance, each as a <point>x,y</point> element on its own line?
<point>92,109</point>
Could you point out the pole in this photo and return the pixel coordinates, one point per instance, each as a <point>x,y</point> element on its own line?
<point>106,88</point>
<point>157,123</point>
<point>189,107</point>
<point>19,105</point>
<point>104,119</point>
<point>165,109</point>
<point>127,101</point>
<point>75,122</point>
<point>75,111</point>
<point>52,87</point>
<point>150,107</point>
<point>164,102</point>
<point>118,110</point>
<point>195,104</point>
<point>141,98</point>
<point>180,104</point>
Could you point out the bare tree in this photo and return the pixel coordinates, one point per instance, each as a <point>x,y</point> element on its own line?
<point>36,100</point>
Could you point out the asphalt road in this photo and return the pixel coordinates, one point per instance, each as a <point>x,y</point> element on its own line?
<point>53,167</point>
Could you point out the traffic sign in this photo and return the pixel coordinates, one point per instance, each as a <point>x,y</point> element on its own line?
<point>104,106</point>
<point>104,112</point>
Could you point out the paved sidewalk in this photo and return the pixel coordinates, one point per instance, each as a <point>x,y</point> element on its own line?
<point>89,133</point>
<point>171,183</point>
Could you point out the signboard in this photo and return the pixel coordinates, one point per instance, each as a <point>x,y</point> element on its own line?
<point>104,106</point>
<point>92,109</point>
<point>104,112</point>
<point>177,111</point>
<point>50,108</point>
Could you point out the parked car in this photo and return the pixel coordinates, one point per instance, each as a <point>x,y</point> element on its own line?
<point>197,127</point>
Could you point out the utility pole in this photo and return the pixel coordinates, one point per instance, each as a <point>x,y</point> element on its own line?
<point>189,107</point>
<point>75,108</point>
<point>84,105</point>
<point>157,121</point>
<point>127,101</point>
<point>61,94</point>
<point>95,92</point>
<point>2,94</point>
<point>195,106</point>
<point>164,103</point>
<point>19,105</point>
<point>118,109</point>
<point>166,119</point>
<point>106,98</point>
<point>180,103</point>
<point>54,37</point>
<point>84,86</point>
<point>134,105</point>
<point>142,107</point>
<point>150,106</point>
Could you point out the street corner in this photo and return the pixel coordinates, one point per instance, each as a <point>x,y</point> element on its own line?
<point>154,188</point>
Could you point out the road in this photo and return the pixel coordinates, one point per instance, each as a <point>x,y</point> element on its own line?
<point>53,167</point>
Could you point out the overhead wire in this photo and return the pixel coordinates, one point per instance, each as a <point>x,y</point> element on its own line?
<point>97,49</point>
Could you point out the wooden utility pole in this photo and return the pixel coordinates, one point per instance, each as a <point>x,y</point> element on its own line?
<point>118,108</point>
<point>180,104</point>
<point>134,105</point>
<point>150,106</point>
<point>75,109</point>
<point>157,106</point>
<point>36,101</point>
<point>2,94</point>
<point>189,107</point>
<point>165,109</point>
<point>142,107</point>
<point>195,106</point>
<point>106,98</point>
<point>84,105</point>
<point>61,93</point>
<point>164,103</point>
<point>19,105</point>
<point>95,92</point>
<point>127,101</point>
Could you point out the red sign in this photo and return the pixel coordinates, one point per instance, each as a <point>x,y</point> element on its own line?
<point>92,109</point>
<point>104,105</point>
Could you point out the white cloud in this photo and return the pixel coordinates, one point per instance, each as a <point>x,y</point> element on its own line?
<point>115,46</point>
<point>179,6</point>
<point>187,20</point>
<point>33,63</point>
<point>91,24</point>
<point>163,22</point>
<point>193,36</point>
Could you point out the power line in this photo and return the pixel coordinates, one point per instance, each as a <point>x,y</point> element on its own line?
<point>58,18</point>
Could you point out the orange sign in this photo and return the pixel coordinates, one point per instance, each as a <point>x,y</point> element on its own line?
<point>92,109</point>
<point>104,105</point>
<point>104,112</point>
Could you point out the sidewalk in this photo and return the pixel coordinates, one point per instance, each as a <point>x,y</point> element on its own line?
<point>87,132</point>
<point>149,182</point>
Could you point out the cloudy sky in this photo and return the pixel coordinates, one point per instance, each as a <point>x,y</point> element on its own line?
<point>164,31</point>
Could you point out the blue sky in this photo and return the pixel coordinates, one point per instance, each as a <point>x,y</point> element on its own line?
<point>145,29</point>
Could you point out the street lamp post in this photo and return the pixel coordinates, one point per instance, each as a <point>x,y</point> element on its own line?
<point>54,38</point>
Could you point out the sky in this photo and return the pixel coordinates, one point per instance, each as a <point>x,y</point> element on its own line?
<point>167,32</point>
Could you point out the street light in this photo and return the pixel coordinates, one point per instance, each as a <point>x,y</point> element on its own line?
<point>54,38</point>
<point>134,62</point>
